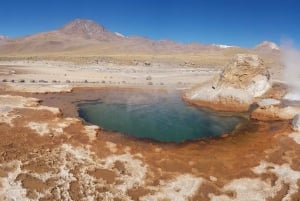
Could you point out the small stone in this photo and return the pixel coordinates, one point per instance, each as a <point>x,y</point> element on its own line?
<point>212,178</point>
<point>225,135</point>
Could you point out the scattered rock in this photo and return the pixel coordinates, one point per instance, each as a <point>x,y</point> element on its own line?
<point>225,135</point>
<point>43,81</point>
<point>212,178</point>
<point>147,63</point>
<point>148,77</point>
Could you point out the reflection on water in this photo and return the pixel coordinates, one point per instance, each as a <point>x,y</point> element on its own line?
<point>159,116</point>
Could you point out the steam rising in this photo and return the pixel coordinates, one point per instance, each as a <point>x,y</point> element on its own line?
<point>290,58</point>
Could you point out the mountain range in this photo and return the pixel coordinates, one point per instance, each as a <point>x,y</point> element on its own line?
<point>90,38</point>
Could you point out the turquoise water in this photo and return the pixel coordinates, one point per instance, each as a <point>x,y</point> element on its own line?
<point>159,116</point>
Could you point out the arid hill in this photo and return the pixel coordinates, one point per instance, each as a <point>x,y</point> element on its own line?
<point>85,38</point>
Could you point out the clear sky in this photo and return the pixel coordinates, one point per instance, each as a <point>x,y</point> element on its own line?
<point>232,22</point>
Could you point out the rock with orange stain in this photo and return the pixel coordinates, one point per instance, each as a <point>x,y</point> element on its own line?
<point>273,112</point>
<point>242,80</point>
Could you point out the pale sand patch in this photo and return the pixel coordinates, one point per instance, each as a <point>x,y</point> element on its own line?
<point>267,102</point>
<point>6,116</point>
<point>65,159</point>
<point>8,103</point>
<point>54,110</point>
<point>135,171</point>
<point>38,88</point>
<point>91,131</point>
<point>253,189</point>
<point>179,189</point>
<point>133,176</point>
<point>295,136</point>
<point>111,146</point>
<point>246,189</point>
<point>39,128</point>
<point>18,101</point>
<point>11,190</point>
<point>127,149</point>
<point>55,127</point>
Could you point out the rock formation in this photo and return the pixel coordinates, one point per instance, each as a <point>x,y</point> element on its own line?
<point>241,81</point>
<point>275,112</point>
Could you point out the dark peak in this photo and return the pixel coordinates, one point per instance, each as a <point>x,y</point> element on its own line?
<point>83,22</point>
<point>83,27</point>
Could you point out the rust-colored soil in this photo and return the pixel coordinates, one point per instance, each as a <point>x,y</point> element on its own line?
<point>68,165</point>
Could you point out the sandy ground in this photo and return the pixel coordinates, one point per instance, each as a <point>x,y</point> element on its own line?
<point>52,76</point>
<point>45,155</point>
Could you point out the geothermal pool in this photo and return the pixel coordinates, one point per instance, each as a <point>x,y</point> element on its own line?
<point>158,116</point>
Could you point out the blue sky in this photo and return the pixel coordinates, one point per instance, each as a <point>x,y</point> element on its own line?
<point>232,22</point>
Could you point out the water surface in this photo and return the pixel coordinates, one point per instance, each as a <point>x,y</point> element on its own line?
<point>158,116</point>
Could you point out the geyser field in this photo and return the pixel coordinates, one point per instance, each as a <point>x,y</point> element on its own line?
<point>135,119</point>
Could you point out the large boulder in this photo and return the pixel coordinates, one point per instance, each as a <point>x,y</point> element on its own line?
<point>235,89</point>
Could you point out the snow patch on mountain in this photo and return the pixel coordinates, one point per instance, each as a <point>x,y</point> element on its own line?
<point>222,46</point>
<point>120,35</point>
<point>267,45</point>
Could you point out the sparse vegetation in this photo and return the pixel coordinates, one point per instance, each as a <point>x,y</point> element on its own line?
<point>43,81</point>
<point>147,63</point>
<point>148,77</point>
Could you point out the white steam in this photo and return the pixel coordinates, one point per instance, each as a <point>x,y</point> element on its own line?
<point>290,58</point>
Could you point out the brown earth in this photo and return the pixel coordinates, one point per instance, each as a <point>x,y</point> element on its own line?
<point>111,164</point>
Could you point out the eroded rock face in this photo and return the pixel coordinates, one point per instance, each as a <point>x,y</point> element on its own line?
<point>242,80</point>
<point>274,112</point>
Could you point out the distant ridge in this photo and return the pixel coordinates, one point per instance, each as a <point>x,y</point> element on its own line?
<point>88,29</point>
<point>88,37</point>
